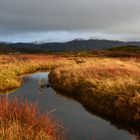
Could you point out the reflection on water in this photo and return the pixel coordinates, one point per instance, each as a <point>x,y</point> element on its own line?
<point>43,83</point>
<point>81,124</point>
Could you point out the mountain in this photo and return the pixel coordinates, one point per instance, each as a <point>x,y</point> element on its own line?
<point>127,48</point>
<point>74,45</point>
<point>5,48</point>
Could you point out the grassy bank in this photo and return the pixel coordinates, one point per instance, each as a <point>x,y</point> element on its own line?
<point>108,86</point>
<point>23,121</point>
<point>19,121</point>
<point>14,66</point>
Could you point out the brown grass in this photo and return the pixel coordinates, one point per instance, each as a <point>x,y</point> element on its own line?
<point>14,66</point>
<point>109,86</point>
<point>106,85</point>
<point>23,121</point>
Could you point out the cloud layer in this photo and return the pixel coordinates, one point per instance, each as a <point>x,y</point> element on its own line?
<point>20,17</point>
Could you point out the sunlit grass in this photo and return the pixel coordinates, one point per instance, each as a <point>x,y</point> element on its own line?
<point>109,86</point>
<point>23,121</point>
<point>14,66</point>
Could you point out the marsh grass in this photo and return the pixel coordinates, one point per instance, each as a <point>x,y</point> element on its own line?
<point>23,121</point>
<point>106,85</point>
<point>14,66</point>
<point>109,86</point>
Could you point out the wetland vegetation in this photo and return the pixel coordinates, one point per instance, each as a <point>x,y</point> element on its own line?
<point>104,83</point>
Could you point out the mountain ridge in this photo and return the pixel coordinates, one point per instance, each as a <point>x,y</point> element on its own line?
<point>74,45</point>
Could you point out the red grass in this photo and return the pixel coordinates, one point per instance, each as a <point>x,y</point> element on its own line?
<point>41,57</point>
<point>30,124</point>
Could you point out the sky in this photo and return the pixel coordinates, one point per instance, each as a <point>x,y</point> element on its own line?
<point>64,20</point>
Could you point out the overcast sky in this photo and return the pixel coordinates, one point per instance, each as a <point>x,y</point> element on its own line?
<point>62,20</point>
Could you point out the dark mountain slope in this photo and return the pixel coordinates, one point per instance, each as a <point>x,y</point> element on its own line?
<point>127,48</point>
<point>75,45</point>
<point>4,48</point>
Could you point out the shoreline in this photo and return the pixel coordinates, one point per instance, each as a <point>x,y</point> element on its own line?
<point>79,99</point>
<point>91,81</point>
<point>122,124</point>
<point>94,108</point>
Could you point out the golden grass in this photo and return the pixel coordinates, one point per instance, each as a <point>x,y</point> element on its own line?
<point>13,66</point>
<point>109,86</point>
<point>23,121</point>
<point>19,121</point>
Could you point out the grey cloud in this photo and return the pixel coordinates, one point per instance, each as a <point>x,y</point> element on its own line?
<point>111,16</point>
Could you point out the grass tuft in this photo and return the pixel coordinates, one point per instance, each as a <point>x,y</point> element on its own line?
<point>108,86</point>
<point>23,121</point>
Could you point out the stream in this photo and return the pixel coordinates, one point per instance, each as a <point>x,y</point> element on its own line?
<point>79,123</point>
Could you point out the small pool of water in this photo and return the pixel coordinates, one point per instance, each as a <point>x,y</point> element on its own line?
<point>79,123</point>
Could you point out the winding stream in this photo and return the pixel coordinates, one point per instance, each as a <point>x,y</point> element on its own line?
<point>79,123</point>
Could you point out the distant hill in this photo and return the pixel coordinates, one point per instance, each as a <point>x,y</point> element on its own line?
<point>127,48</point>
<point>73,46</point>
<point>4,48</point>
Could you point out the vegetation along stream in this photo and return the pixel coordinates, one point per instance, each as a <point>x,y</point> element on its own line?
<point>79,124</point>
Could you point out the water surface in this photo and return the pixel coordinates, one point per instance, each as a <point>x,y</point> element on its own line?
<point>80,124</point>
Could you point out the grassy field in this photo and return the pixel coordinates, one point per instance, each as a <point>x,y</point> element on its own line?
<point>108,86</point>
<point>23,121</point>
<point>14,66</point>
<point>103,82</point>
